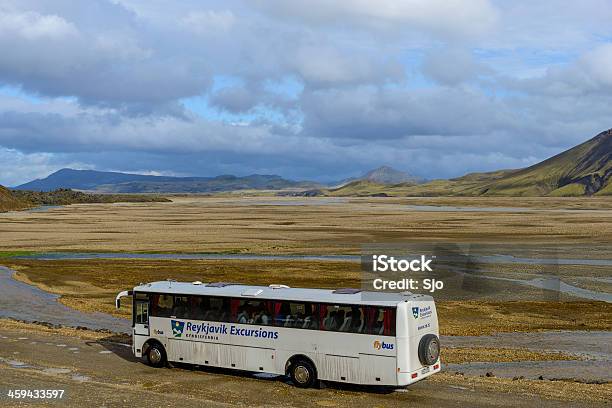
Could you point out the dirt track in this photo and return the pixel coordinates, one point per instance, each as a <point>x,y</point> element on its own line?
<point>103,373</point>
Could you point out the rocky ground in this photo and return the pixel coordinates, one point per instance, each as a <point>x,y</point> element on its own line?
<point>98,369</point>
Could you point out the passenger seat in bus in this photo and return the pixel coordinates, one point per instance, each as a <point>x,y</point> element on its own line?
<point>361,326</point>
<point>330,321</point>
<point>347,323</point>
<point>309,323</point>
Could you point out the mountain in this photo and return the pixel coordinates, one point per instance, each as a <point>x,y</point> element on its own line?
<point>585,169</point>
<point>9,202</point>
<point>113,182</point>
<point>389,175</point>
<point>382,175</point>
<point>582,170</point>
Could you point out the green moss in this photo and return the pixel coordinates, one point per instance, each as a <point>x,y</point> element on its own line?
<point>12,254</point>
<point>569,190</point>
<point>607,190</point>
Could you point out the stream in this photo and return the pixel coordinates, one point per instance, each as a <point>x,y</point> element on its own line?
<point>21,301</point>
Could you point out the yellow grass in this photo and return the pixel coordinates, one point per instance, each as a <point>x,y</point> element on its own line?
<point>235,224</point>
<point>91,285</point>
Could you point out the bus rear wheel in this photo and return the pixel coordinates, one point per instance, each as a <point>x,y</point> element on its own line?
<point>303,374</point>
<point>156,355</point>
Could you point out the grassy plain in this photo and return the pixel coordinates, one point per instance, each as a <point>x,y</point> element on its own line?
<point>91,285</point>
<point>271,225</point>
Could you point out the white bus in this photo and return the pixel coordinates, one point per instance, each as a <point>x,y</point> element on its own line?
<point>308,334</point>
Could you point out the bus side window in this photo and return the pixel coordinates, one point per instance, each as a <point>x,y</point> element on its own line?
<point>161,305</point>
<point>389,322</point>
<point>311,316</point>
<point>244,313</point>
<point>142,308</point>
<point>217,309</point>
<point>179,309</point>
<point>379,321</point>
<point>357,322</point>
<point>282,314</point>
<point>262,313</point>
<point>195,311</point>
<point>371,320</point>
<point>328,317</point>
<point>334,316</point>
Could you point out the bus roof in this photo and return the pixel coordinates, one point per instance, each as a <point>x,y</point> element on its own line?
<point>280,292</point>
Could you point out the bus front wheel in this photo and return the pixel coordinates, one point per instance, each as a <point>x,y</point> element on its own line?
<point>303,374</point>
<point>156,355</point>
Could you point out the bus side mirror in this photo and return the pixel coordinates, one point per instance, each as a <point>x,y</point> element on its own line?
<point>120,295</point>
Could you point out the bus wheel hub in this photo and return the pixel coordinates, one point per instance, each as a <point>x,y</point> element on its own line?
<point>155,355</point>
<point>301,374</point>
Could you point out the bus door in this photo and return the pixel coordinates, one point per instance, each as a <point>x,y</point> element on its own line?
<point>141,314</point>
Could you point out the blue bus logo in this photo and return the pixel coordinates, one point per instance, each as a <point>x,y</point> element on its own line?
<point>177,328</point>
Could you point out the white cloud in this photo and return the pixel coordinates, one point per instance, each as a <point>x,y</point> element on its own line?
<point>209,21</point>
<point>590,75</point>
<point>17,167</point>
<point>33,26</point>
<point>598,64</point>
<point>442,17</point>
<point>452,65</point>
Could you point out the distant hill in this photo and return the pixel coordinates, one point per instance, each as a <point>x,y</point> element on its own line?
<point>22,199</point>
<point>8,202</point>
<point>585,169</point>
<point>113,182</point>
<point>382,175</point>
<point>67,197</point>
<point>389,175</point>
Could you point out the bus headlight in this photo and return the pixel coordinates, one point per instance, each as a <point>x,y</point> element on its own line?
<point>429,349</point>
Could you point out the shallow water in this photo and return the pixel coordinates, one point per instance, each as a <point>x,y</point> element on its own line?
<point>21,301</point>
<point>38,209</point>
<point>450,208</point>
<point>596,346</point>
<point>592,344</point>
<point>43,208</point>
<point>555,284</point>
<point>495,259</point>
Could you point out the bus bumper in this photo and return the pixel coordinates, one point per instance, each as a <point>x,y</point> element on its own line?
<point>407,378</point>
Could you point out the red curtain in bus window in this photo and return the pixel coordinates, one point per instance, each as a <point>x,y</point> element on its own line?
<point>389,322</point>
<point>277,308</point>
<point>322,314</point>
<point>269,305</point>
<point>371,315</point>
<point>234,305</point>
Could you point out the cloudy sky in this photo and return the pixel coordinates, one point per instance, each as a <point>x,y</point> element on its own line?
<point>312,89</point>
